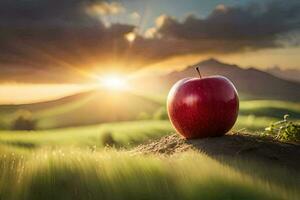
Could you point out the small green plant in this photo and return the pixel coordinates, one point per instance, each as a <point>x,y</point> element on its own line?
<point>108,140</point>
<point>284,130</point>
<point>24,121</point>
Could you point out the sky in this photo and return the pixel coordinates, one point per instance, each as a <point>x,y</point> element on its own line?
<point>72,41</point>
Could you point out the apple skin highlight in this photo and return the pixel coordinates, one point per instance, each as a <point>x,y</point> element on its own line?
<point>203,107</point>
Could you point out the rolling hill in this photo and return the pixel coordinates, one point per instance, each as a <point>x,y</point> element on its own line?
<point>97,106</point>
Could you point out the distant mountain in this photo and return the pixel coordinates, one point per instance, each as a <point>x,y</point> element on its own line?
<point>251,83</point>
<point>288,74</point>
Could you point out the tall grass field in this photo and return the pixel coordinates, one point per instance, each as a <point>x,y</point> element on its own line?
<point>71,173</point>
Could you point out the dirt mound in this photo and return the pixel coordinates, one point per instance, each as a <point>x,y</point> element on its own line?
<point>241,146</point>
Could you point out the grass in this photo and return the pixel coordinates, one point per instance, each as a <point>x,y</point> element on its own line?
<point>254,117</point>
<point>71,163</point>
<point>73,173</point>
<point>253,123</point>
<point>125,134</point>
<point>270,108</point>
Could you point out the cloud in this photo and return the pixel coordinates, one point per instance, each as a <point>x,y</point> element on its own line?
<point>225,30</point>
<point>254,26</point>
<point>135,16</point>
<point>41,12</point>
<point>28,52</point>
<point>54,13</point>
<point>104,8</point>
<point>40,37</point>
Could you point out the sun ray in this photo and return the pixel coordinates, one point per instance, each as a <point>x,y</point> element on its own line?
<point>114,82</point>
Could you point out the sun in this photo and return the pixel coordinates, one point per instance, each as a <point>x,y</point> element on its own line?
<point>130,37</point>
<point>114,82</point>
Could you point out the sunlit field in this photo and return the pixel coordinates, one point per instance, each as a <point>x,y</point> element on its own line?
<point>254,117</point>
<point>124,134</point>
<point>149,120</point>
<point>63,160</point>
<point>88,174</point>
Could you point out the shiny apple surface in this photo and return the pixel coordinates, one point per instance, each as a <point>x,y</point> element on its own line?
<point>203,107</point>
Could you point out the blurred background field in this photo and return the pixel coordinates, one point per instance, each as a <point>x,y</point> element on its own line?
<point>55,124</point>
<point>128,118</point>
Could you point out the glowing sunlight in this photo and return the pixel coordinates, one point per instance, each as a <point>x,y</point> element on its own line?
<point>114,82</point>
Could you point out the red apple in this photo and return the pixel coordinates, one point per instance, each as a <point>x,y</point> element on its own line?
<point>203,107</point>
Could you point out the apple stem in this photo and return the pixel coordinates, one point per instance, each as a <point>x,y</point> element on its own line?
<point>197,68</point>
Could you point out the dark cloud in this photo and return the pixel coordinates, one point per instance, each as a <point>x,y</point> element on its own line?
<point>45,36</point>
<point>40,12</point>
<point>58,49</point>
<point>256,26</point>
<point>54,13</point>
<point>51,41</point>
<point>225,30</point>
